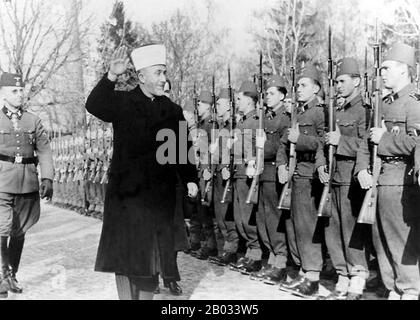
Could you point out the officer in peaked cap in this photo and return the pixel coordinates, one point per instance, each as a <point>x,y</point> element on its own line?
<point>396,234</point>
<point>137,236</point>
<point>306,185</point>
<point>24,144</point>
<point>350,262</point>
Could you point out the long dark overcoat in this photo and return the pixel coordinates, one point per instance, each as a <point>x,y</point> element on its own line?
<point>140,199</point>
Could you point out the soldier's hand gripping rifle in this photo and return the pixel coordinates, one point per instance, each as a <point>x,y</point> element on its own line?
<point>254,190</point>
<point>368,211</point>
<point>325,205</point>
<point>228,191</point>
<point>207,197</point>
<point>286,194</point>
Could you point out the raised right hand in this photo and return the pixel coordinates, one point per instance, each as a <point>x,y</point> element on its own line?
<point>365,179</point>
<point>119,62</point>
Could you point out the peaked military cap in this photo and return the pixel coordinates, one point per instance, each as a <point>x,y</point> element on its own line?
<point>401,52</point>
<point>224,94</point>
<point>311,72</point>
<point>347,66</point>
<point>276,81</point>
<point>11,80</point>
<point>249,88</point>
<point>206,97</point>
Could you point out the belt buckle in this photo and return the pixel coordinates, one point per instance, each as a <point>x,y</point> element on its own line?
<point>18,159</point>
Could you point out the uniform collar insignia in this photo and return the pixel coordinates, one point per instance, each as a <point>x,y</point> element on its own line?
<point>10,114</point>
<point>271,114</point>
<point>391,98</point>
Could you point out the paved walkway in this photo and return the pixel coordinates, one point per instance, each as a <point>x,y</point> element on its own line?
<point>59,256</point>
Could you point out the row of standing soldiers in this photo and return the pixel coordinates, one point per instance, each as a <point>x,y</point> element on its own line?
<point>81,165</point>
<point>306,151</point>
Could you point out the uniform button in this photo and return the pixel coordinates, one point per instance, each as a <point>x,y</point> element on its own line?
<point>18,141</point>
<point>18,148</point>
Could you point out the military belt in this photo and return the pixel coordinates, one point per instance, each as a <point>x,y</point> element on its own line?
<point>345,158</point>
<point>396,159</point>
<point>305,157</point>
<point>19,159</point>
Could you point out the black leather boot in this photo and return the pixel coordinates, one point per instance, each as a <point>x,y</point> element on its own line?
<point>15,254</point>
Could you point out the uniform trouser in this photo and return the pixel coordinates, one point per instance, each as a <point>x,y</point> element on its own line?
<point>90,194</point>
<point>222,212</point>
<point>396,238</point>
<point>243,214</point>
<point>291,237</point>
<point>346,240</point>
<point>308,228</point>
<point>202,221</point>
<point>268,223</point>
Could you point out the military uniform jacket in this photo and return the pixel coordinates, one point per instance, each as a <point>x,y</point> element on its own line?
<point>140,198</point>
<point>222,153</point>
<point>351,120</point>
<point>25,137</point>
<point>204,133</point>
<point>309,147</point>
<point>276,124</point>
<point>401,112</point>
<point>244,147</point>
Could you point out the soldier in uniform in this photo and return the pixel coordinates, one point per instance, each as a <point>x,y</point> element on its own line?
<point>224,211</point>
<point>306,186</point>
<point>203,222</point>
<point>23,144</point>
<point>342,233</point>
<point>244,150</point>
<point>396,232</point>
<point>268,217</point>
<point>137,240</point>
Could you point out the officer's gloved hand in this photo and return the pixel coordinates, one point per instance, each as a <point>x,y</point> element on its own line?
<point>46,189</point>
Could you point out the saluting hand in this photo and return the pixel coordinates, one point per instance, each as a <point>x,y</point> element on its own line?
<point>118,64</point>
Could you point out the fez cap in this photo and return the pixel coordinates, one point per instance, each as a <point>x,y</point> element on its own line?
<point>224,94</point>
<point>148,56</point>
<point>249,88</point>
<point>11,80</point>
<point>403,53</point>
<point>276,81</point>
<point>347,66</point>
<point>206,97</point>
<point>311,72</point>
<point>189,106</point>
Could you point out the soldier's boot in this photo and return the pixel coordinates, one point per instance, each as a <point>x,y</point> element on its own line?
<point>15,254</point>
<point>4,264</point>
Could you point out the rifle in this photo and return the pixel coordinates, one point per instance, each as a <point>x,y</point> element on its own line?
<point>368,101</point>
<point>196,119</point>
<point>254,190</point>
<point>286,193</point>
<point>207,197</point>
<point>368,211</point>
<point>418,78</point>
<point>228,191</point>
<point>325,205</point>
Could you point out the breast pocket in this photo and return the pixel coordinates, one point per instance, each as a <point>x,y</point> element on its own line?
<point>5,137</point>
<point>348,128</point>
<point>29,137</point>
<point>307,129</point>
<point>395,125</point>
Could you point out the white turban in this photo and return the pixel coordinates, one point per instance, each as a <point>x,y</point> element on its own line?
<point>148,56</point>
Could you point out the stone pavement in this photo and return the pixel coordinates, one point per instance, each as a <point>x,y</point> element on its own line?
<point>59,256</point>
